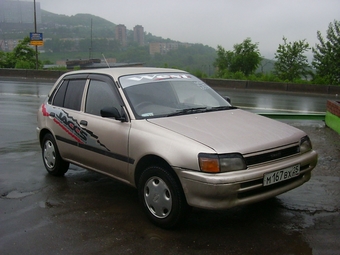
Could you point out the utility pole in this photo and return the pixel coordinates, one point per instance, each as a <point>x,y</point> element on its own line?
<point>90,49</point>
<point>35,31</point>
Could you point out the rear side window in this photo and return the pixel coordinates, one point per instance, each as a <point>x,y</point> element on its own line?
<point>69,94</point>
<point>60,95</point>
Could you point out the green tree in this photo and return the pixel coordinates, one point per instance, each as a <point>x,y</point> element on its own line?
<point>245,58</point>
<point>291,62</point>
<point>223,61</point>
<point>327,55</point>
<point>22,56</point>
<point>2,59</point>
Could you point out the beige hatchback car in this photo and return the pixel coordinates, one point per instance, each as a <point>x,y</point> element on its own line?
<point>172,137</point>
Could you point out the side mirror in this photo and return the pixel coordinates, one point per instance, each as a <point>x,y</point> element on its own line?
<point>226,98</point>
<point>111,112</point>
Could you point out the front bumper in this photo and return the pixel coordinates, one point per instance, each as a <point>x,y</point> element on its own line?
<point>226,190</point>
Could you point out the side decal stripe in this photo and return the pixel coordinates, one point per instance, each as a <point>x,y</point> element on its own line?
<point>67,131</point>
<point>97,150</point>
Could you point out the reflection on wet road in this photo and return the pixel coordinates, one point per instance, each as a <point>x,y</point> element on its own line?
<point>87,213</point>
<point>18,108</point>
<point>278,101</point>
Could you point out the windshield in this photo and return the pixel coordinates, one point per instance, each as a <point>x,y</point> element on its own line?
<point>160,95</point>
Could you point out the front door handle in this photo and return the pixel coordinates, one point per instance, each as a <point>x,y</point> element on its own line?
<point>83,122</point>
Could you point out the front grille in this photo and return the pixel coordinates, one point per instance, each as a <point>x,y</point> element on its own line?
<point>264,189</point>
<point>273,155</point>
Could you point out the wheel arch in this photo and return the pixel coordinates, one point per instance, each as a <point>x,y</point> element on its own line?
<point>152,160</point>
<point>42,133</point>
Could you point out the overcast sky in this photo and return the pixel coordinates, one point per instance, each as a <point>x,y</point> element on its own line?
<point>214,22</point>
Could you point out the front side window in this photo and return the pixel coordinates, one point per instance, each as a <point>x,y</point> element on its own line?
<point>100,95</point>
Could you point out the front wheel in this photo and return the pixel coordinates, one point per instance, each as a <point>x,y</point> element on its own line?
<point>53,162</point>
<point>162,197</point>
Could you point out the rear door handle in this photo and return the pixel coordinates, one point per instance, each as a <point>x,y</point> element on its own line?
<point>83,122</point>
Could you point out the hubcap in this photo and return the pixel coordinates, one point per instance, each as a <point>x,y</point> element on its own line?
<point>49,154</point>
<point>158,197</point>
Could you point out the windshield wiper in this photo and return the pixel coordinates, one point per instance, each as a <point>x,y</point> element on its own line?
<point>188,111</point>
<point>221,108</point>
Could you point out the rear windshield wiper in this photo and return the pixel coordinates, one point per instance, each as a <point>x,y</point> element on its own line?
<point>188,111</point>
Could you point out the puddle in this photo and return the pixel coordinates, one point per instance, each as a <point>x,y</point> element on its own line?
<point>321,193</point>
<point>15,194</point>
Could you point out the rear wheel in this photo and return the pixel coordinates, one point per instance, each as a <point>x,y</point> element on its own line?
<point>54,164</point>
<point>162,197</point>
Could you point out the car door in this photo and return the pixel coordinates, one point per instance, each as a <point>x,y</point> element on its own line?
<point>106,148</point>
<point>66,105</point>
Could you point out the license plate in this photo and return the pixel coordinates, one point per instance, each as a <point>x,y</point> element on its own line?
<point>281,175</point>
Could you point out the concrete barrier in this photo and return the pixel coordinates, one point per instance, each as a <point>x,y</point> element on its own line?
<point>215,83</point>
<point>13,73</point>
<point>34,74</point>
<point>274,86</point>
<point>334,90</point>
<point>45,74</point>
<point>230,84</point>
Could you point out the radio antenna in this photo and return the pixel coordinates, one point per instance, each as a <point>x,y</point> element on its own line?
<point>106,61</point>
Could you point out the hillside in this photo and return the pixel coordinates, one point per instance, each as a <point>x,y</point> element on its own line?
<point>74,20</point>
<point>72,37</point>
<point>76,26</point>
<point>81,35</point>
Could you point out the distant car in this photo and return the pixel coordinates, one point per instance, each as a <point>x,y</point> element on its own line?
<point>171,136</point>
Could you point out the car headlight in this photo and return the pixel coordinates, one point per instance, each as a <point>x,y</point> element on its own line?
<point>214,163</point>
<point>305,144</point>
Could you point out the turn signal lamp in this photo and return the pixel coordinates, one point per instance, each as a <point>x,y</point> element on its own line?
<point>214,163</point>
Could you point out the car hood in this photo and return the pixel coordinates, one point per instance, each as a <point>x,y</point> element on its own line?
<point>232,130</point>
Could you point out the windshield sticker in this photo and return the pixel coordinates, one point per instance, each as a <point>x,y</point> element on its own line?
<point>202,85</point>
<point>131,80</point>
<point>158,77</point>
<point>149,114</point>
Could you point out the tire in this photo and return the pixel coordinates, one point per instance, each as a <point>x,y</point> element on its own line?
<point>54,164</point>
<point>162,197</point>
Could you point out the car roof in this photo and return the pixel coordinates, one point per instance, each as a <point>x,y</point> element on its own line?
<point>116,72</point>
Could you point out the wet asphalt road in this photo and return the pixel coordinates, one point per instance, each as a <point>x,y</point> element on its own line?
<point>87,213</point>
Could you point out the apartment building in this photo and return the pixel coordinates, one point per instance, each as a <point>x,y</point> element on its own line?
<point>121,34</point>
<point>162,48</point>
<point>138,35</point>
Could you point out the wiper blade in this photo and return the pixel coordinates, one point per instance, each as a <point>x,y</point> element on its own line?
<point>221,108</point>
<point>188,111</point>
